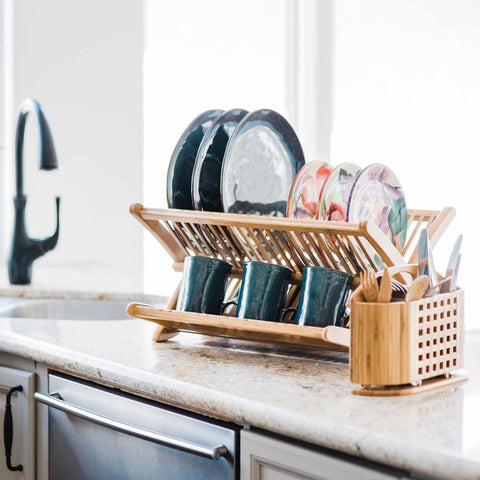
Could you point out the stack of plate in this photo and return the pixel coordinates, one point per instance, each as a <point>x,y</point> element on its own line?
<point>253,163</point>
<point>348,193</point>
<point>235,162</point>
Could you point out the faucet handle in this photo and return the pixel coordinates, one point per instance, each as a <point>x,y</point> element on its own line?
<point>49,243</point>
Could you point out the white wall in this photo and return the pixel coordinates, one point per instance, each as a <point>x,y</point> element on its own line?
<point>407,93</point>
<point>83,61</point>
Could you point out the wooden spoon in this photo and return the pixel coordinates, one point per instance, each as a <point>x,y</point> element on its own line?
<point>417,289</point>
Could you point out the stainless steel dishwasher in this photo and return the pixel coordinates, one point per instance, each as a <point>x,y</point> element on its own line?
<point>99,433</point>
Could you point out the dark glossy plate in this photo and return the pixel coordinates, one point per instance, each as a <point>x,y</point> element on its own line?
<point>207,171</point>
<point>180,169</point>
<point>262,159</point>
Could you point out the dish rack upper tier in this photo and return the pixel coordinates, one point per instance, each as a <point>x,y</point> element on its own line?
<point>291,242</point>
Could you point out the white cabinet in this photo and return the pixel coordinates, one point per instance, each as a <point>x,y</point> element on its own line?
<point>267,458</point>
<point>23,415</point>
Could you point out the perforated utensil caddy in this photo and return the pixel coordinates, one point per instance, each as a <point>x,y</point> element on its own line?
<point>403,347</point>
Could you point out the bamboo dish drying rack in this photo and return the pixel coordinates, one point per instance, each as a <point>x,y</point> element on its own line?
<point>294,243</point>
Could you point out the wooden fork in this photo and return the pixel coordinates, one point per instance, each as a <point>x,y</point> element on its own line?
<point>369,286</point>
<point>385,292</point>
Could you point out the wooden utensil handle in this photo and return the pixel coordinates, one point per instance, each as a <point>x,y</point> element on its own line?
<point>411,269</point>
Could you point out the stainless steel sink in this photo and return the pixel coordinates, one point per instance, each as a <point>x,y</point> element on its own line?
<point>66,310</point>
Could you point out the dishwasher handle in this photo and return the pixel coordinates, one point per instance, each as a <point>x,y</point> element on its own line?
<point>54,400</point>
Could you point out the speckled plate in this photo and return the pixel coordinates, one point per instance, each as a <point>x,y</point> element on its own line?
<point>378,196</point>
<point>207,171</point>
<point>180,169</point>
<point>262,158</point>
<point>335,192</point>
<point>306,188</point>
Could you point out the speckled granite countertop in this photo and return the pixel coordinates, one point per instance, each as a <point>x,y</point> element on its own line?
<point>291,392</point>
<point>27,291</point>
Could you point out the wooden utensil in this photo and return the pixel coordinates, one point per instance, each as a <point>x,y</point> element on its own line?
<point>417,289</point>
<point>385,292</point>
<point>357,296</point>
<point>369,286</point>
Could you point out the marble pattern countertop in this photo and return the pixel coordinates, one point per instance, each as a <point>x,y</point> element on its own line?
<point>299,394</point>
<point>42,293</point>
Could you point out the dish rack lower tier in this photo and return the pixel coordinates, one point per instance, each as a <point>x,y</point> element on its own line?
<point>329,338</point>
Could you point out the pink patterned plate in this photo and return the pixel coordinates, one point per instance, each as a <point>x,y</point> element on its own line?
<point>335,193</point>
<point>378,196</point>
<point>305,190</point>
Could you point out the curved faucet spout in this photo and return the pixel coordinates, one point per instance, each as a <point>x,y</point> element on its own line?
<point>25,249</point>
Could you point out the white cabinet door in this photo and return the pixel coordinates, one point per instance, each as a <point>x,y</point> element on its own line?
<point>267,458</point>
<point>23,413</point>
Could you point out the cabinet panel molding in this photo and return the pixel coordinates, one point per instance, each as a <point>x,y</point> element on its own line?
<point>23,410</point>
<point>268,458</point>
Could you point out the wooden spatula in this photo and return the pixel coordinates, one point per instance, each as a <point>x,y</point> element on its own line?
<point>385,292</point>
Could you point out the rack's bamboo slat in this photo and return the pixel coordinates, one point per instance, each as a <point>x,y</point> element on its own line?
<point>294,243</point>
<point>331,338</point>
<point>161,333</point>
<point>248,237</point>
<point>436,222</point>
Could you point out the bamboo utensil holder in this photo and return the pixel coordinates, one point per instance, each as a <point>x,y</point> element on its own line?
<point>397,346</point>
<point>294,243</point>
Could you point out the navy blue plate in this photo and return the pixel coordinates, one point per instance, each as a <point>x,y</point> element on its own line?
<point>262,159</point>
<point>180,169</point>
<point>208,164</point>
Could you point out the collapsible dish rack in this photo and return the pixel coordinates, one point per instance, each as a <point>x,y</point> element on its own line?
<point>291,242</point>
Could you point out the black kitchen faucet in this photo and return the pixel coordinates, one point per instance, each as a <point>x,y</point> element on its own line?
<point>25,249</point>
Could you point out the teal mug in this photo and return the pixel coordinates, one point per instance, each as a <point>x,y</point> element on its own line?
<point>323,297</point>
<point>203,285</point>
<point>263,291</point>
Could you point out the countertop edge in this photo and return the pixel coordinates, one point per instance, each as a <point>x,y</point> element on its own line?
<point>356,442</point>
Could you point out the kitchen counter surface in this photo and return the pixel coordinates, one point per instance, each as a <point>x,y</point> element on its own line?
<point>303,395</point>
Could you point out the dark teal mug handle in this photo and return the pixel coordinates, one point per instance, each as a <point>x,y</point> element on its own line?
<point>286,311</point>
<point>227,304</point>
<point>346,317</point>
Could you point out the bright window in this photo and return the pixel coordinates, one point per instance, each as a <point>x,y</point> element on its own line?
<point>202,55</point>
